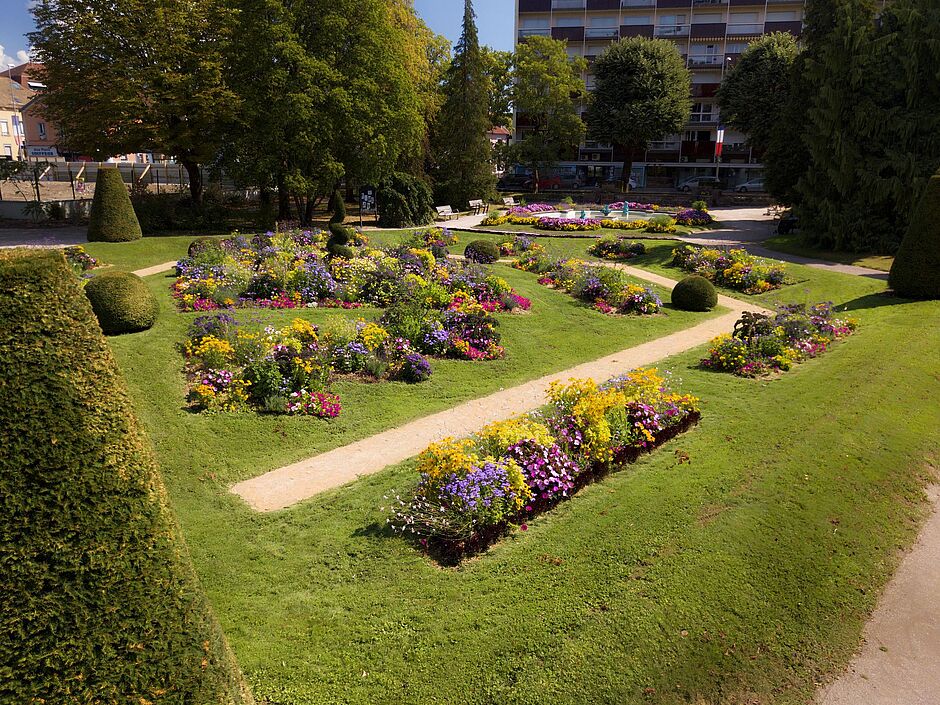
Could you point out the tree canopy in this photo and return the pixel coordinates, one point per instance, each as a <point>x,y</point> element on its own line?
<point>642,93</point>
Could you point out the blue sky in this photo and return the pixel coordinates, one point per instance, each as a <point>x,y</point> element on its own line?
<point>494,19</point>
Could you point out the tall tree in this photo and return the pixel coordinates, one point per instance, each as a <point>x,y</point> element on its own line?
<point>787,158</point>
<point>546,83</point>
<point>499,68</point>
<point>463,167</point>
<point>642,94</point>
<point>130,76</point>
<point>753,92</point>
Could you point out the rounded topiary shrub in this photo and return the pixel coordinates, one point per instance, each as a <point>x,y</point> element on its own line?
<point>112,217</point>
<point>915,273</point>
<point>341,251</point>
<point>100,602</point>
<point>694,293</point>
<point>122,302</point>
<point>482,251</point>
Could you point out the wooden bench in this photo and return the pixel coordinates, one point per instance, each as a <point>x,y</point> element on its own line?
<point>445,212</point>
<point>477,207</point>
<point>510,202</point>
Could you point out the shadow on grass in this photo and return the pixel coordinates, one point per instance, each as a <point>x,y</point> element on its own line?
<point>874,301</point>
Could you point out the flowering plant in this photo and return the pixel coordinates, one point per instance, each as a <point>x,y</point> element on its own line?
<point>617,248</point>
<point>762,345</point>
<point>735,269</point>
<point>471,490</point>
<point>79,260</point>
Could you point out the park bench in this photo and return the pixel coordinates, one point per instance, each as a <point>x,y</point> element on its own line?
<point>477,207</point>
<point>445,212</point>
<point>510,202</point>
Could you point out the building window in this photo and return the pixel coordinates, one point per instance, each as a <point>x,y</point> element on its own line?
<point>8,150</point>
<point>42,130</point>
<point>4,128</point>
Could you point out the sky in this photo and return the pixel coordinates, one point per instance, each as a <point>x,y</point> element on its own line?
<point>494,20</point>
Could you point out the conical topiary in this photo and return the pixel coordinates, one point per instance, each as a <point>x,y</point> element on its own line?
<point>112,214</point>
<point>915,273</point>
<point>100,602</point>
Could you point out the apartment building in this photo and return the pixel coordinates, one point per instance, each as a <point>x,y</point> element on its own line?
<point>13,98</point>
<point>710,34</point>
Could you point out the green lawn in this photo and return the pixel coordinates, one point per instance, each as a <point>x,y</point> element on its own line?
<point>743,575</point>
<point>146,252</point>
<point>794,245</point>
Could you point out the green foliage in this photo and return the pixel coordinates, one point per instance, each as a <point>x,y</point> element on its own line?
<point>404,201</point>
<point>122,302</point>
<point>340,234</point>
<point>752,93</point>
<point>173,98</point>
<point>700,206</point>
<point>482,251</point>
<point>694,293</point>
<point>112,217</point>
<point>916,269</point>
<point>500,70</point>
<point>201,244</point>
<point>641,94</point>
<point>338,206</point>
<point>461,151</point>
<point>100,602</point>
<point>547,82</point>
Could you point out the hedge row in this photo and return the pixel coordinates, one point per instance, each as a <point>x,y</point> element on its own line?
<point>100,603</point>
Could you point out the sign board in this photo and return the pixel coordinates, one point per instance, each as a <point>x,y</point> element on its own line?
<point>42,152</point>
<point>367,199</point>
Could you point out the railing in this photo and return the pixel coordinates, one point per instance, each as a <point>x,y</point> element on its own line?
<point>709,2</point>
<point>637,3</point>
<point>664,146</point>
<point>535,32</point>
<point>678,30</point>
<point>568,4</point>
<point>601,33</point>
<point>703,119</point>
<point>745,29</point>
<point>704,61</point>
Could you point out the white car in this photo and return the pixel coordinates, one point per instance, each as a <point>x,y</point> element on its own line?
<point>752,185</point>
<point>697,183</point>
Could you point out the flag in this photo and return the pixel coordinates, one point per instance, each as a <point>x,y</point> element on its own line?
<point>719,142</point>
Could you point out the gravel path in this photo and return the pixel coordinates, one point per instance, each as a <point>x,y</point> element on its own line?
<point>289,485</point>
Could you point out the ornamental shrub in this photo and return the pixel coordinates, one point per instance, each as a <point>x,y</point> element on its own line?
<point>404,201</point>
<point>100,601</point>
<point>694,293</point>
<point>916,270</point>
<point>338,206</point>
<point>122,302</point>
<point>700,206</point>
<point>482,251</point>
<point>112,217</point>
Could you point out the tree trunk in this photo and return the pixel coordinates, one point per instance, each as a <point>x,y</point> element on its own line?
<point>535,183</point>
<point>308,212</point>
<point>627,171</point>
<point>195,180</point>
<point>283,200</point>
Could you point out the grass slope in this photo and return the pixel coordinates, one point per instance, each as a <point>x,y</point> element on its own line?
<point>794,245</point>
<point>146,252</point>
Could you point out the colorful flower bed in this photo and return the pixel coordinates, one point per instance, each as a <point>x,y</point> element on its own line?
<point>662,223</point>
<point>519,244</point>
<point>734,269</point>
<point>617,248</point>
<point>471,491</point>
<point>293,270</point>
<point>79,260</point>
<point>608,290</point>
<point>763,344</point>
<point>532,209</point>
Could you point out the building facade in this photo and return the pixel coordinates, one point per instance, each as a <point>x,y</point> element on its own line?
<point>710,34</point>
<point>13,99</point>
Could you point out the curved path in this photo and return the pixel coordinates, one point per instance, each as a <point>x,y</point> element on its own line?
<point>282,488</point>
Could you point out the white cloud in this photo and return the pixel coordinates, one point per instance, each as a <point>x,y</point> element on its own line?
<point>20,57</point>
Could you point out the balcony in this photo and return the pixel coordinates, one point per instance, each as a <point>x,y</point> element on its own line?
<point>794,27</point>
<point>572,34</point>
<point>535,5</point>
<point>636,30</point>
<point>637,3</point>
<point>705,62</point>
<point>672,30</point>
<point>708,30</point>
<point>745,30</point>
<point>601,33</point>
<point>534,32</point>
<point>568,4</point>
<point>700,3</point>
<point>697,119</point>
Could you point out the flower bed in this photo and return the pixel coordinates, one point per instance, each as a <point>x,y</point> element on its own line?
<point>762,344</point>
<point>617,248</point>
<point>79,260</point>
<point>608,290</point>
<point>233,367</point>
<point>293,270</point>
<point>471,491</point>
<point>734,269</point>
<point>532,209</point>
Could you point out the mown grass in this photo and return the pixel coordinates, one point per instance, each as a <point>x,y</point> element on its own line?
<point>737,564</point>
<point>794,245</point>
<point>146,252</point>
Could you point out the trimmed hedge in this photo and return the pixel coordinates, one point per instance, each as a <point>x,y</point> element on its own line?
<point>112,217</point>
<point>122,302</point>
<point>482,251</point>
<point>694,293</point>
<point>403,201</point>
<point>338,206</point>
<point>915,273</point>
<point>100,601</point>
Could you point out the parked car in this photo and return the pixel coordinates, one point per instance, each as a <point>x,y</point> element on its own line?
<point>752,185</point>
<point>615,181</point>
<point>513,182</point>
<point>698,183</point>
<point>546,183</point>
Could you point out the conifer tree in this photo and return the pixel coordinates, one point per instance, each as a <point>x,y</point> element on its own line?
<point>461,149</point>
